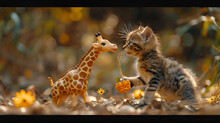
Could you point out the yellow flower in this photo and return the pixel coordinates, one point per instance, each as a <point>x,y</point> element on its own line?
<point>101,91</point>
<point>23,99</point>
<point>210,100</point>
<point>138,93</point>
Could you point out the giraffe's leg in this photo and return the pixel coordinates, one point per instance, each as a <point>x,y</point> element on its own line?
<point>60,99</point>
<point>85,96</point>
<point>74,100</point>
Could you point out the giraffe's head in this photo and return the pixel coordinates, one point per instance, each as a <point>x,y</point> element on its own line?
<point>103,44</point>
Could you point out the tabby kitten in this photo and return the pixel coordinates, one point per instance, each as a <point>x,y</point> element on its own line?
<point>167,77</point>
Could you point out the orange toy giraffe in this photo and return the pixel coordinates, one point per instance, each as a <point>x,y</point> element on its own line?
<point>75,83</point>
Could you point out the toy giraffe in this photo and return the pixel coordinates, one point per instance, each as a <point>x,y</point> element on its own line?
<point>75,83</point>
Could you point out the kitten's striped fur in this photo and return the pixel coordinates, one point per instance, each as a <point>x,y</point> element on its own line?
<point>167,77</point>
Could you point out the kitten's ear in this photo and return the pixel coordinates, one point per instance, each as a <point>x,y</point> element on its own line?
<point>147,32</point>
<point>140,27</point>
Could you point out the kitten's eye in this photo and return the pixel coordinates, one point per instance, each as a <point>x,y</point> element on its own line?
<point>103,44</point>
<point>129,43</point>
<point>135,44</point>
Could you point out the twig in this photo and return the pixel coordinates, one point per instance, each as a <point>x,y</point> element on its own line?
<point>119,65</point>
<point>215,48</point>
<point>213,20</point>
<point>203,74</point>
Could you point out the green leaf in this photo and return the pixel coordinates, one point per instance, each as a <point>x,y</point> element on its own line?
<point>16,19</point>
<point>205,28</point>
<point>183,29</point>
<point>117,79</point>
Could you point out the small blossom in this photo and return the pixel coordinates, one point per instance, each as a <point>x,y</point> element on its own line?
<point>138,93</point>
<point>23,99</point>
<point>210,100</point>
<point>101,91</point>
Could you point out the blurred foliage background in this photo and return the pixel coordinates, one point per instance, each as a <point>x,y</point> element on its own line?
<point>39,42</point>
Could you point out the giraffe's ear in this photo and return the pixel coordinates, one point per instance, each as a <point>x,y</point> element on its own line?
<point>95,45</point>
<point>51,81</point>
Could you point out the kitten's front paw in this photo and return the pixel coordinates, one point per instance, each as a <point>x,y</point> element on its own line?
<point>141,104</point>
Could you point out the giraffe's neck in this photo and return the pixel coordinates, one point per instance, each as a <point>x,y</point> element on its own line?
<point>85,65</point>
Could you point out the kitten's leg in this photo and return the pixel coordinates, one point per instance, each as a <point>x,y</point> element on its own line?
<point>150,90</point>
<point>135,81</point>
<point>186,91</point>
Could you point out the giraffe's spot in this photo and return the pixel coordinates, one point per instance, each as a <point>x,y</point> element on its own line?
<point>69,76</point>
<point>67,79</point>
<point>90,69</point>
<point>93,58</point>
<point>85,68</point>
<point>96,52</point>
<point>81,80</point>
<point>90,63</point>
<point>75,82</point>
<point>79,69</point>
<point>96,55</point>
<point>78,91</point>
<point>55,87</point>
<point>83,64</point>
<point>69,89</point>
<point>61,87</point>
<point>74,90</point>
<point>71,86</point>
<point>71,80</point>
<point>87,58</point>
<point>85,82</point>
<point>65,85</point>
<point>82,74</point>
<point>91,53</point>
<point>84,88</point>
<point>79,86</point>
<point>75,77</point>
<point>53,94</point>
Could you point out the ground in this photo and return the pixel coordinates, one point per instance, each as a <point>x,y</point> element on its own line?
<point>108,106</point>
